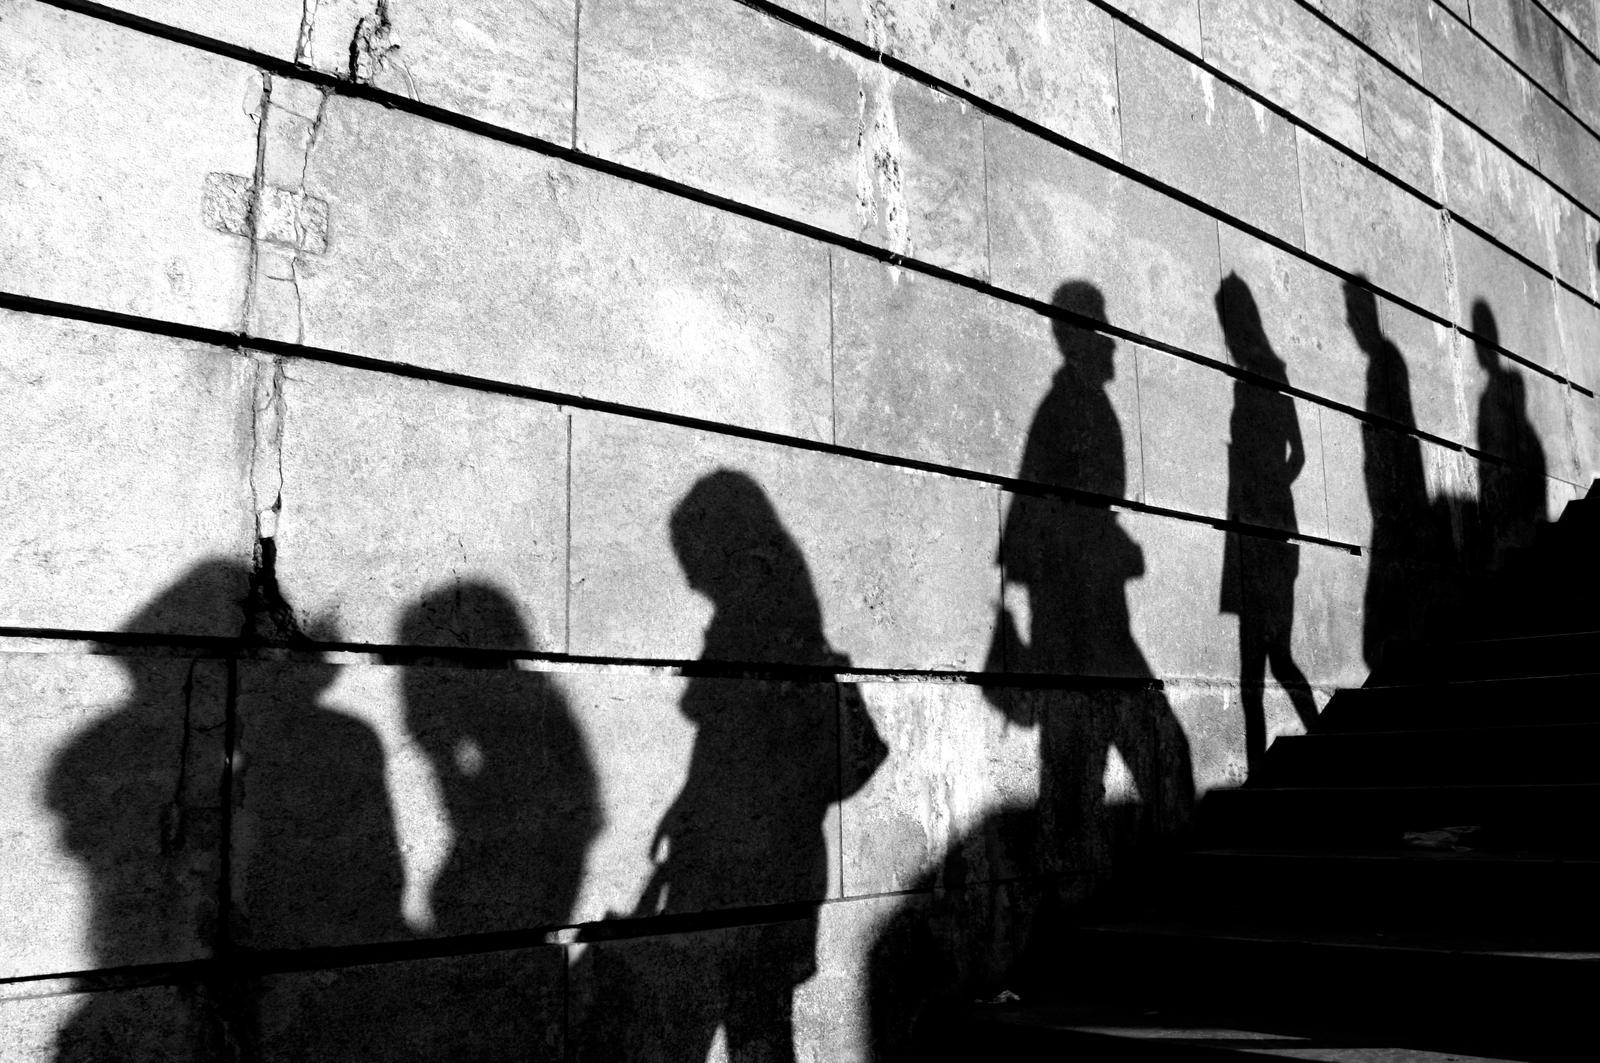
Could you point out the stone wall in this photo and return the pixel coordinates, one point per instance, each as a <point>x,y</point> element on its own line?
<point>646,528</point>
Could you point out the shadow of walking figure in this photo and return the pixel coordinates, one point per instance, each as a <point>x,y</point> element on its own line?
<point>518,787</point>
<point>1266,454</point>
<point>149,853</point>
<point>746,828</point>
<point>1511,500</point>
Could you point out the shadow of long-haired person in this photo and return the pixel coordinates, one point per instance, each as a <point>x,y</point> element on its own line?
<point>1266,454</point>
<point>746,829</point>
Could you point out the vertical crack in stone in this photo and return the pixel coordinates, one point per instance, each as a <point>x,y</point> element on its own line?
<point>267,615</point>
<point>308,18</point>
<point>253,205</point>
<point>174,826</point>
<point>880,177</point>
<point>371,47</point>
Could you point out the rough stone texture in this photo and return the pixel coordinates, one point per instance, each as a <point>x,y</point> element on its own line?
<point>269,26</point>
<point>1470,77</point>
<point>1397,126</point>
<point>1173,604</point>
<point>1516,205</point>
<point>509,62</point>
<point>931,371</point>
<point>1580,17</point>
<point>1582,81</point>
<point>1054,65</point>
<point>1388,27</point>
<point>1293,58</point>
<point>1055,216</point>
<point>1209,715</point>
<point>93,110</point>
<point>544,274</point>
<point>111,809</point>
<point>1585,412</point>
<point>493,1005</point>
<point>1567,153</point>
<point>1176,20</point>
<point>955,760</point>
<point>730,100</point>
<point>392,488</point>
<point>127,456</point>
<point>1204,137</point>
<point>1580,338</point>
<point>48,1020</point>
<point>1185,409</point>
<point>1531,38</point>
<point>1363,223</point>
<point>902,563</point>
<point>1520,299</point>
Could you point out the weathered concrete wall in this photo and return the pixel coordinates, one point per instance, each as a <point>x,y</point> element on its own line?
<point>639,529</point>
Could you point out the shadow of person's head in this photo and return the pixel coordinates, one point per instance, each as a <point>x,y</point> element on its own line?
<point>734,549</point>
<point>471,614</point>
<point>1242,331</point>
<point>1361,313</point>
<point>1089,352</point>
<point>1487,334</point>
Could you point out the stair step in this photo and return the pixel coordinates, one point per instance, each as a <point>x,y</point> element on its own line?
<point>1409,887</point>
<point>1099,1032</point>
<point>1449,991</point>
<point>1556,753</point>
<point>1531,655</point>
<point>1554,816</point>
<point>1478,703</point>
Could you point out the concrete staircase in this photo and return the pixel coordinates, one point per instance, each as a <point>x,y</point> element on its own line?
<point>1417,879</point>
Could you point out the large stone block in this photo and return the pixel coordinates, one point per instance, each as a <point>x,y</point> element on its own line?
<point>394,488</point>
<point>541,273</point>
<point>1211,719</point>
<point>1580,337</point>
<point>1469,76</point>
<point>1055,216</point>
<point>492,1006</point>
<point>1397,126</point>
<point>1178,606</point>
<point>1287,54</point>
<point>1388,27</point>
<point>1182,126</point>
<point>1582,80</point>
<point>1586,431</point>
<point>49,1020</point>
<point>933,371</point>
<point>1053,65</point>
<point>1176,20</point>
<point>269,26</point>
<point>733,101</point>
<point>956,761</point>
<point>1188,412</point>
<point>1362,222</point>
<point>900,564</point>
<point>1522,30</point>
<point>111,136</point>
<point>1520,300</point>
<point>128,460</point>
<point>508,62</point>
<point>111,806</point>
<point>1566,152</point>
<point>1498,193</point>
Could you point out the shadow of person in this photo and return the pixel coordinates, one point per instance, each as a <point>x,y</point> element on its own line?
<point>746,829</point>
<point>1511,500</point>
<point>516,779</point>
<point>1408,530</point>
<point>1266,454</point>
<point>149,849</point>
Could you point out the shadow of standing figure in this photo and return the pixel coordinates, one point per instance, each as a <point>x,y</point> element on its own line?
<point>516,779</point>
<point>149,854</point>
<point>746,829</point>
<point>1265,456</point>
<point>1511,499</point>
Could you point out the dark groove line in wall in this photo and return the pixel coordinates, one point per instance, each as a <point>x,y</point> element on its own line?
<point>1416,83</point>
<point>455,120</point>
<point>398,655</point>
<point>1523,72</point>
<point>1027,125</point>
<point>102,979</point>
<point>1565,30</point>
<point>234,341</point>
